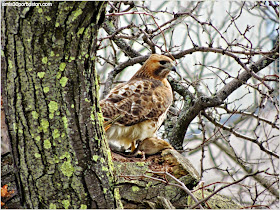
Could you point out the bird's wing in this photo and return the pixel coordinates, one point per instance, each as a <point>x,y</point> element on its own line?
<point>136,101</point>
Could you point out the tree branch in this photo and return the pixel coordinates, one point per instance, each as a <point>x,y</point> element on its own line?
<point>110,29</point>
<point>239,135</point>
<point>190,110</point>
<point>194,106</point>
<point>245,76</point>
<point>267,184</point>
<point>273,124</point>
<point>223,187</point>
<point>180,184</point>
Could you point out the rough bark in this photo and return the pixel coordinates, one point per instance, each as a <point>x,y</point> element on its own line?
<point>139,183</point>
<point>50,95</point>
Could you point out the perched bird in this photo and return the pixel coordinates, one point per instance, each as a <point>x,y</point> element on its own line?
<point>135,110</point>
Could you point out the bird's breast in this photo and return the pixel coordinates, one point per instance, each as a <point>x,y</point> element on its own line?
<point>124,135</point>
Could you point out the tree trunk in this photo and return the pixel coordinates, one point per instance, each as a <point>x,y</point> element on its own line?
<point>50,95</point>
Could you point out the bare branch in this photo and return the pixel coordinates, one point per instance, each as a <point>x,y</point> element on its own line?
<point>244,76</point>
<point>239,135</point>
<point>110,29</point>
<point>266,183</point>
<point>273,125</point>
<point>189,112</point>
<point>249,70</point>
<point>221,188</point>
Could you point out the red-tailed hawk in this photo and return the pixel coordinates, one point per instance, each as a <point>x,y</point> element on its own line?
<point>136,109</point>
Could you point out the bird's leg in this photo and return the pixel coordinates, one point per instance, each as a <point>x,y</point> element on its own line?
<point>133,146</point>
<point>143,155</point>
<point>135,149</point>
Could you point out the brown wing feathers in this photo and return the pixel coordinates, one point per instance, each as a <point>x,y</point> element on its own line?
<point>140,101</point>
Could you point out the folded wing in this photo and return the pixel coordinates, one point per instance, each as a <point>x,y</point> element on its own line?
<point>136,101</point>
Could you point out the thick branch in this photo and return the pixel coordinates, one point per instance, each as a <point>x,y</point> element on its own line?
<point>193,107</point>
<point>110,29</point>
<point>180,185</point>
<point>190,110</point>
<point>245,76</point>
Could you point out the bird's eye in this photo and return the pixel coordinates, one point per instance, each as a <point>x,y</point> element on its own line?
<point>162,62</point>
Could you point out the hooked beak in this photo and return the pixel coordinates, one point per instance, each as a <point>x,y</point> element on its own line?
<point>173,68</point>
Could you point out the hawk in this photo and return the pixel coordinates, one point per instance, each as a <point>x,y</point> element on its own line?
<point>134,110</point>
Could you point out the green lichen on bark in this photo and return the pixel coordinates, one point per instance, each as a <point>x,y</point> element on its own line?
<point>45,52</point>
<point>53,106</point>
<point>35,115</point>
<point>45,60</point>
<point>138,191</point>
<point>41,75</point>
<point>83,206</point>
<point>95,158</point>
<point>117,195</point>
<point>65,203</point>
<point>216,202</point>
<point>52,206</point>
<point>47,144</point>
<point>63,81</point>
<point>62,66</point>
<point>44,125</point>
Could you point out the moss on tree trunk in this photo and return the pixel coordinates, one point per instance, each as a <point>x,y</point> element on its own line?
<point>50,94</point>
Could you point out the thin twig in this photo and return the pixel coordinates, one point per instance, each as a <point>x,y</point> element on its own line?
<point>273,125</point>
<point>239,135</point>
<point>223,187</point>
<point>181,185</point>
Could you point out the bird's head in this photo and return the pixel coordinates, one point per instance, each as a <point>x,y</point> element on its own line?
<point>157,67</point>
